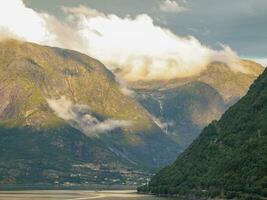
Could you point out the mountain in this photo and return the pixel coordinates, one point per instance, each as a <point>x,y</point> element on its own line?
<point>183,107</point>
<point>65,119</point>
<point>229,157</point>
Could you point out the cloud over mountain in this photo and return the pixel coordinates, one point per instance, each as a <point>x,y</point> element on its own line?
<point>26,23</point>
<point>80,116</point>
<point>133,46</point>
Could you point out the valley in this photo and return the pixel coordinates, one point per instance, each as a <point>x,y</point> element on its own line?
<point>66,121</point>
<point>228,159</point>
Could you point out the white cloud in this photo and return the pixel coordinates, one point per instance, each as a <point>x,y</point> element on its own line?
<point>82,11</point>
<point>80,116</point>
<point>23,22</point>
<point>133,46</point>
<point>124,87</point>
<point>19,22</point>
<point>140,50</point>
<point>171,6</point>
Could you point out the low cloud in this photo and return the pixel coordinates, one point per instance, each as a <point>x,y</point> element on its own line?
<point>124,87</point>
<point>171,6</point>
<point>22,22</point>
<point>19,22</point>
<point>80,117</point>
<point>137,49</point>
<point>133,47</point>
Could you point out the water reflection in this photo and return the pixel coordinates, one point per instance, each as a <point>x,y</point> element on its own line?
<point>75,195</point>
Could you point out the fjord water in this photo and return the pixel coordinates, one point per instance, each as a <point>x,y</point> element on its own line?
<point>75,195</point>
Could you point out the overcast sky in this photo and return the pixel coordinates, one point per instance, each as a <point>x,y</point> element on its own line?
<point>241,24</point>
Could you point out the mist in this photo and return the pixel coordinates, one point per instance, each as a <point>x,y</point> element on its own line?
<point>131,46</point>
<point>80,116</point>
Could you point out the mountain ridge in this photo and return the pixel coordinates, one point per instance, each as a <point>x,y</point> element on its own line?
<point>228,159</point>
<point>187,105</point>
<point>47,92</point>
<point>68,110</point>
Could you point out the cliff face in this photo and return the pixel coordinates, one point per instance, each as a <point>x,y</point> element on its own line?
<point>183,107</point>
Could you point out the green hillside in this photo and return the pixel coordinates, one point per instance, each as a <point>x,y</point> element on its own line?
<point>64,118</point>
<point>228,159</point>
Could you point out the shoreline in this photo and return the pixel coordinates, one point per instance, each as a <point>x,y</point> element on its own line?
<point>61,187</point>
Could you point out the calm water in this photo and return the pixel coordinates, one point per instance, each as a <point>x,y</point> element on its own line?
<point>75,195</point>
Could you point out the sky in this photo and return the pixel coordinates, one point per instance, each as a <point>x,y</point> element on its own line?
<point>240,24</point>
<point>148,39</point>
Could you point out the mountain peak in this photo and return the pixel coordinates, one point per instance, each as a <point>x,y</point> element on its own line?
<point>61,105</point>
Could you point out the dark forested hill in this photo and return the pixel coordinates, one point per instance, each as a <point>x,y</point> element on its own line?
<point>228,159</point>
